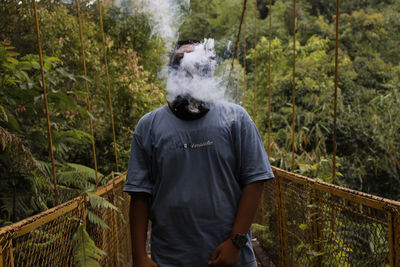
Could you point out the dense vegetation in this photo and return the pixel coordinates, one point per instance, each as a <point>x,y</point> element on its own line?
<point>369,83</point>
<point>134,58</point>
<point>369,73</point>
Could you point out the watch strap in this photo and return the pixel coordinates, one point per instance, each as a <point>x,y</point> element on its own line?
<point>238,240</point>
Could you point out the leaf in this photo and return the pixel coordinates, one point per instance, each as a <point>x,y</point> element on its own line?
<point>30,84</point>
<point>314,167</point>
<point>13,124</point>
<point>66,74</point>
<point>85,78</point>
<point>77,176</point>
<point>100,202</point>
<point>303,226</point>
<point>85,251</point>
<point>90,115</point>
<point>3,114</point>
<point>93,218</point>
<point>84,169</point>
<point>12,60</point>
<point>304,166</point>
<point>258,227</point>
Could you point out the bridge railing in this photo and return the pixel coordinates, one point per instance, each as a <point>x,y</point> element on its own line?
<point>306,222</point>
<point>46,238</point>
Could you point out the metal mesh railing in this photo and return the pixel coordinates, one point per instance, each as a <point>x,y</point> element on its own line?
<point>305,223</point>
<point>46,239</point>
<point>311,223</point>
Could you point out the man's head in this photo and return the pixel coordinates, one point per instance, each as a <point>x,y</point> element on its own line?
<point>192,58</point>
<point>182,47</point>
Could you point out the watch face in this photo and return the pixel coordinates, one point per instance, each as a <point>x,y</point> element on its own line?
<point>240,240</point>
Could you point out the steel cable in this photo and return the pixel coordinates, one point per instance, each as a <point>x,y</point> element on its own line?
<point>53,167</point>
<point>108,85</point>
<point>335,96</point>
<point>293,84</point>
<point>87,88</point>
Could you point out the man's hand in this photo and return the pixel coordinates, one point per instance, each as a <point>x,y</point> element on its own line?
<point>226,254</point>
<point>144,262</point>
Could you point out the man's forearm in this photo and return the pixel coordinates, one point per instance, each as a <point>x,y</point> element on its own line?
<point>247,207</point>
<point>227,254</point>
<point>138,213</point>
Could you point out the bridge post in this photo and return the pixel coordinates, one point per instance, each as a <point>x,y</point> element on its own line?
<point>281,222</point>
<point>394,237</point>
<point>1,256</point>
<point>316,217</point>
<point>11,255</point>
<point>397,238</point>
<point>6,252</point>
<point>114,227</point>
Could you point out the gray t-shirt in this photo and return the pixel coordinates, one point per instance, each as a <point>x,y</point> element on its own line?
<point>195,172</point>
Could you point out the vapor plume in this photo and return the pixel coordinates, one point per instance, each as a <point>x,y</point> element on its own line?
<point>195,76</point>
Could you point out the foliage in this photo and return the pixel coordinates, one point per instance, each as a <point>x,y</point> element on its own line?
<point>84,249</point>
<point>129,28</point>
<point>99,203</point>
<point>26,177</point>
<point>21,123</point>
<point>368,128</point>
<point>322,170</point>
<point>368,93</point>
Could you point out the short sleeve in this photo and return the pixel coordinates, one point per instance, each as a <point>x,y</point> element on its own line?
<point>138,177</point>
<point>254,164</point>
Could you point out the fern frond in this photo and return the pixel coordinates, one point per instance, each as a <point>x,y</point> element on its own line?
<point>89,172</point>
<point>93,218</point>
<point>73,179</point>
<point>77,176</point>
<point>85,251</point>
<point>99,202</point>
<point>75,136</point>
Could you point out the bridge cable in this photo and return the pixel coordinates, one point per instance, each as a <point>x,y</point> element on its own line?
<point>235,53</point>
<point>237,99</point>
<point>244,60</point>
<point>108,84</point>
<point>53,167</point>
<point>269,80</point>
<point>335,96</point>
<point>293,83</point>
<point>87,88</point>
<point>262,204</point>
<point>255,63</point>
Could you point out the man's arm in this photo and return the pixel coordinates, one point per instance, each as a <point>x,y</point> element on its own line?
<point>138,214</point>
<point>227,253</point>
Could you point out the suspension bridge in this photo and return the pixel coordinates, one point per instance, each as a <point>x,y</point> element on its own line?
<point>336,226</point>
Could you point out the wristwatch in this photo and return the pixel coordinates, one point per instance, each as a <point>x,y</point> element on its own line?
<point>239,240</point>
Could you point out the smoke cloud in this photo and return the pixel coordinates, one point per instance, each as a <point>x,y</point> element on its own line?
<point>166,16</point>
<point>190,79</point>
<point>195,75</point>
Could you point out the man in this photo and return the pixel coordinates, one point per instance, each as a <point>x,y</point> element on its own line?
<point>196,171</point>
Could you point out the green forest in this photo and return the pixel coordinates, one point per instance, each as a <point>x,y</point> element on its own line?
<point>368,125</point>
